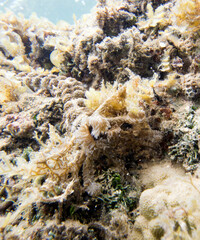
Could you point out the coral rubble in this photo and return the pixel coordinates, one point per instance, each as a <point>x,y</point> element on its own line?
<point>99,123</point>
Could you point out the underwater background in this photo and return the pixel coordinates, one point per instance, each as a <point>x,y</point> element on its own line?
<point>100,120</point>
<point>54,10</point>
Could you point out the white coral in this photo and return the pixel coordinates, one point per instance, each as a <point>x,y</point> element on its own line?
<point>169,210</point>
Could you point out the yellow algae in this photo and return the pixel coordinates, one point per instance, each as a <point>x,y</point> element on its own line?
<point>96,97</point>
<point>10,88</point>
<point>187,15</point>
<point>131,96</point>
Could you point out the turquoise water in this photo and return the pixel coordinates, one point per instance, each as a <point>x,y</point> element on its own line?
<point>54,10</point>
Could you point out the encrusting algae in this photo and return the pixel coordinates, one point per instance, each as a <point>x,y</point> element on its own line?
<point>99,123</point>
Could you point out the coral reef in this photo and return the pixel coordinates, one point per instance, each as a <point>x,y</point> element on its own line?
<point>99,123</point>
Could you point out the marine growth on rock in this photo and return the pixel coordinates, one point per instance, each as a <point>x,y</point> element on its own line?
<point>99,123</point>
